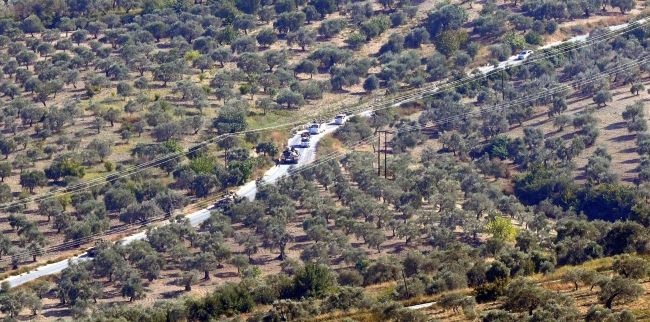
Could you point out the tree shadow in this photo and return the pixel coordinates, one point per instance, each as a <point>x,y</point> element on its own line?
<point>56,312</point>
<point>299,246</point>
<point>226,274</point>
<point>630,161</point>
<point>627,97</point>
<point>172,294</point>
<point>541,122</point>
<point>265,259</point>
<point>623,138</point>
<point>569,136</point>
<point>628,150</point>
<point>616,126</point>
<point>630,180</point>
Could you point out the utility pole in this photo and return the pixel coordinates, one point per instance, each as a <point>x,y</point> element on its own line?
<point>385,157</point>
<point>503,86</point>
<point>405,284</point>
<point>379,133</point>
<point>379,155</point>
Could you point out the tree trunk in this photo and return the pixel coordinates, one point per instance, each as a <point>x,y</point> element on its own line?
<point>206,275</point>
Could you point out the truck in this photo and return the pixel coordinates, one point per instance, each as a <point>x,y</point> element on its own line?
<point>289,156</point>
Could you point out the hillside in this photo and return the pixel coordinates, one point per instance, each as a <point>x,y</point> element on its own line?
<point>117,115</point>
<point>449,306</point>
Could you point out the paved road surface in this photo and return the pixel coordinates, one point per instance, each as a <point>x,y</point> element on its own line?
<point>248,190</point>
<point>307,155</point>
<point>513,61</point>
<point>272,175</point>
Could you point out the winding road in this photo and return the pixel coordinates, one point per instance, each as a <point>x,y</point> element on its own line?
<point>248,190</point>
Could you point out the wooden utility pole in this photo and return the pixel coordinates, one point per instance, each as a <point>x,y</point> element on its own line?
<point>385,156</point>
<point>385,133</point>
<point>503,86</point>
<point>379,155</point>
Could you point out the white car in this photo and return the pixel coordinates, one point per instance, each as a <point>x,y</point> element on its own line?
<point>339,119</point>
<point>304,142</point>
<point>524,54</point>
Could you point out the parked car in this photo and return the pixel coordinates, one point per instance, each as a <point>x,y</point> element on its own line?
<point>524,54</point>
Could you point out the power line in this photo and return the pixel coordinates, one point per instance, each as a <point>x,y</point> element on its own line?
<point>405,97</point>
<point>333,156</point>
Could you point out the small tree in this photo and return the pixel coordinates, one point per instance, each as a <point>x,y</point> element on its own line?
<point>631,267</point>
<point>205,262</point>
<point>371,83</point>
<point>268,148</point>
<point>32,179</point>
<point>241,262</point>
<point>619,289</point>
<point>5,170</point>
<point>266,37</point>
<point>188,278</point>
<point>634,111</point>
<point>602,97</point>
<point>636,88</point>
<point>303,37</point>
<point>623,5</point>
<point>501,228</point>
<point>313,280</point>
<point>168,72</point>
<point>32,25</point>
<point>132,287</point>
<point>290,98</point>
<point>574,276</point>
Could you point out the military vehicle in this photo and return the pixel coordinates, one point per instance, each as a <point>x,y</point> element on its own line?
<point>289,156</point>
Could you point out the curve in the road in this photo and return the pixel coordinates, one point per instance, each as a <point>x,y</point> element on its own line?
<point>248,190</point>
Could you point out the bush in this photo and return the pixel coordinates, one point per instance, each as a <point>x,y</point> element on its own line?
<point>609,202</point>
<point>541,183</point>
<point>533,38</point>
<point>490,292</point>
<point>354,130</point>
<point>313,280</point>
<point>350,277</point>
<point>229,299</point>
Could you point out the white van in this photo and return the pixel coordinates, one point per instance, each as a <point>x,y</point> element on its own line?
<point>339,119</point>
<point>314,128</point>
